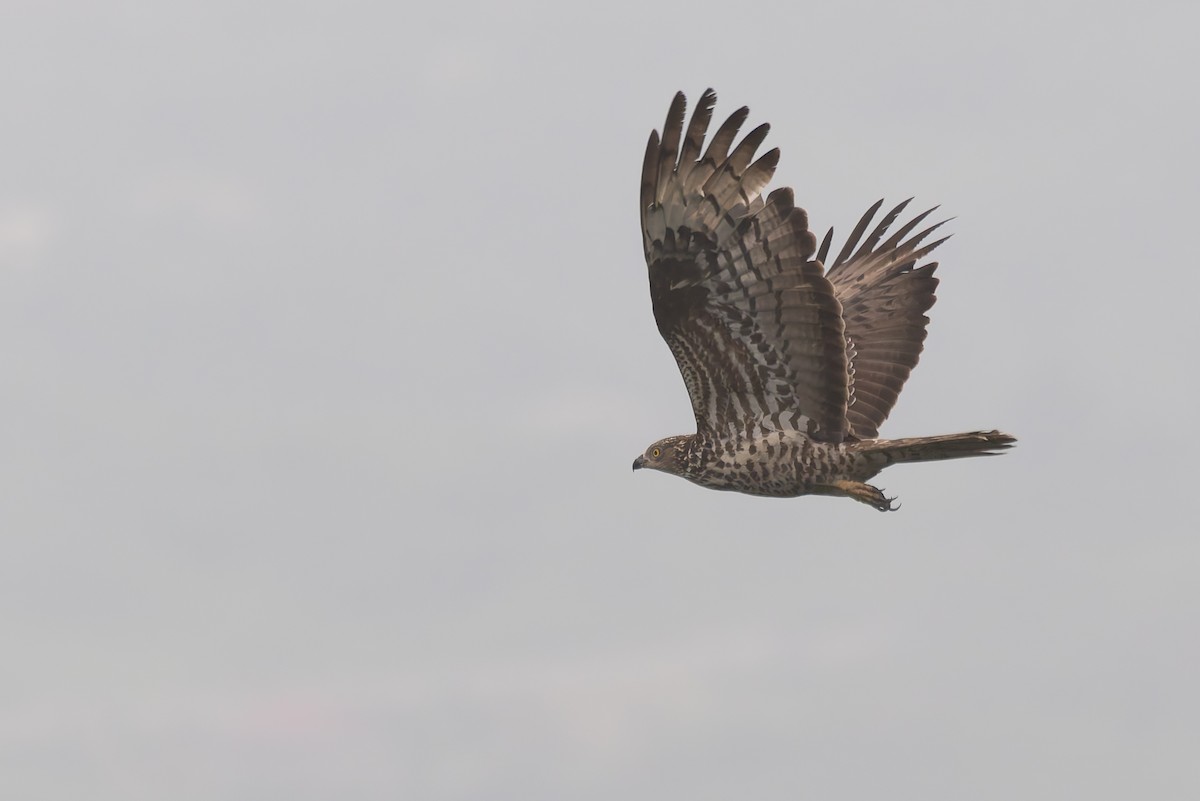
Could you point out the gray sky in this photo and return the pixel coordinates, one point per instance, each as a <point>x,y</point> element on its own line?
<point>327,348</point>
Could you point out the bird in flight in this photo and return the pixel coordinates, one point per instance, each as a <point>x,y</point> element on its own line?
<point>792,360</point>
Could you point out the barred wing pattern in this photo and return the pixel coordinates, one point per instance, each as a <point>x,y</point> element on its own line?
<point>753,323</point>
<point>884,297</point>
<point>791,368</point>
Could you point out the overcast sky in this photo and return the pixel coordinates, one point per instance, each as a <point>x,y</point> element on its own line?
<point>326,347</point>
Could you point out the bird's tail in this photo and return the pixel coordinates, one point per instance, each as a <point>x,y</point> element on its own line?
<point>946,446</point>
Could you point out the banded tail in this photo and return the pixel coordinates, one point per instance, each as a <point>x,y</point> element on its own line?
<point>946,446</point>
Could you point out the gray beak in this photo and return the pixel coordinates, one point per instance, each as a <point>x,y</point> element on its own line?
<point>639,462</point>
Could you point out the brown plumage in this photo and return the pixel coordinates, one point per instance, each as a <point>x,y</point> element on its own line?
<point>791,367</point>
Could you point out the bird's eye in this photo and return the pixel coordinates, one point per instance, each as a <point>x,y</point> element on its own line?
<point>656,453</point>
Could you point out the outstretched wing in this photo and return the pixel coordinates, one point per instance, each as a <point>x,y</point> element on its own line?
<point>884,297</point>
<point>751,320</point>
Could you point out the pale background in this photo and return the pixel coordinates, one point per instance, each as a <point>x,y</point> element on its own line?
<point>326,348</point>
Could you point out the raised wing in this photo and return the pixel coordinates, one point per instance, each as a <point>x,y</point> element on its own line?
<point>751,320</point>
<point>884,297</point>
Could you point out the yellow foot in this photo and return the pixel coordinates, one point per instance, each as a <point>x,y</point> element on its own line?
<point>864,493</point>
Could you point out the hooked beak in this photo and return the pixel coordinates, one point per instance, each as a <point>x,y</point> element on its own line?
<point>639,462</point>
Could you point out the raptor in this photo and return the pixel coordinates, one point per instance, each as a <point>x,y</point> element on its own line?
<point>792,360</point>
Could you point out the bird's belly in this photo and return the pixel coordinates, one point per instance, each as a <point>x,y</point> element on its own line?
<point>776,466</point>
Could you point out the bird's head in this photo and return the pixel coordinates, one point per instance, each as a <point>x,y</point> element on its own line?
<point>666,455</point>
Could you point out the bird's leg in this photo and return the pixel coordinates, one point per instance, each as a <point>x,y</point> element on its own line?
<point>863,493</point>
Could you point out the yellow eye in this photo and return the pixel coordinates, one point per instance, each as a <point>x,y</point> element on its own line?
<point>656,453</point>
